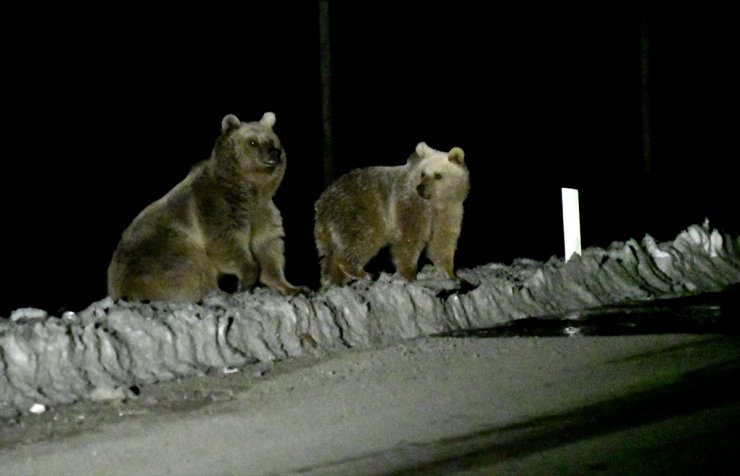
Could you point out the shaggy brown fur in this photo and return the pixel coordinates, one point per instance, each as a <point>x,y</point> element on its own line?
<point>220,220</point>
<point>411,207</point>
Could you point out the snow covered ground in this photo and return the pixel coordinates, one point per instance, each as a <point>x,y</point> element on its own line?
<point>348,381</point>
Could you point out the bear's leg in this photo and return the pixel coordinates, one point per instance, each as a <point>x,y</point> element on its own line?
<point>444,261</point>
<point>341,269</point>
<point>231,255</point>
<point>351,246</point>
<point>249,272</point>
<point>180,278</point>
<point>192,286</point>
<point>443,242</point>
<point>442,254</point>
<point>332,272</point>
<point>361,245</point>
<point>405,254</point>
<point>269,252</point>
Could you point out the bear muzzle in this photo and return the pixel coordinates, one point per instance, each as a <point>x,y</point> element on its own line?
<point>274,157</point>
<point>421,189</point>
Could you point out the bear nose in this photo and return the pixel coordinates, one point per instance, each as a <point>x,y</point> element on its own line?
<point>421,190</point>
<point>275,155</point>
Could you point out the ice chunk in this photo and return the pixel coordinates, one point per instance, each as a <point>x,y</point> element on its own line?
<point>27,314</point>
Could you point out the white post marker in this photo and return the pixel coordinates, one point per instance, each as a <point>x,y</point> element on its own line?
<point>571,222</point>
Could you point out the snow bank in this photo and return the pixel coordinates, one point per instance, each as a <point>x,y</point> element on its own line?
<point>110,347</point>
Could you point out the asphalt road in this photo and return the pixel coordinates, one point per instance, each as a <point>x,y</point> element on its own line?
<point>658,404</point>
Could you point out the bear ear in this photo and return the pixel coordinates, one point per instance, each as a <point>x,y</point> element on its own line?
<point>413,159</point>
<point>229,123</point>
<point>422,149</point>
<point>268,119</point>
<point>456,156</point>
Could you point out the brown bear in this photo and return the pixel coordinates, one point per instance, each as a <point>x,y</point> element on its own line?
<point>220,220</point>
<point>410,207</point>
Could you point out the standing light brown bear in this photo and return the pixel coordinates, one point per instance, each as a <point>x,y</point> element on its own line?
<point>411,207</point>
<point>220,220</point>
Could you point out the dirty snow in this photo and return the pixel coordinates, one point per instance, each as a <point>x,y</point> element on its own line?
<point>103,351</point>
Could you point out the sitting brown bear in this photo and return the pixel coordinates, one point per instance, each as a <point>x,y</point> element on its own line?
<point>411,207</point>
<point>220,220</point>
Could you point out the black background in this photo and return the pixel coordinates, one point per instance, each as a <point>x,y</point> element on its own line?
<point>105,111</point>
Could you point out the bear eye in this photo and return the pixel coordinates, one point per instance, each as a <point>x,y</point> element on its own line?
<point>253,143</point>
<point>437,176</point>
<point>423,175</point>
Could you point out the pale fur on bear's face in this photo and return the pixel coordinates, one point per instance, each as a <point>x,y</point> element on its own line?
<point>409,208</point>
<point>220,220</point>
<point>442,176</point>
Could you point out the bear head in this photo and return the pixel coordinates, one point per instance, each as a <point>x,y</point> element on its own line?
<point>440,177</point>
<point>250,152</point>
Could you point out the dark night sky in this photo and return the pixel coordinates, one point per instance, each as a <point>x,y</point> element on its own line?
<point>101,117</point>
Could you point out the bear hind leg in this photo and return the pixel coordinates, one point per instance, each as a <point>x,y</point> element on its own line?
<point>345,257</point>
<point>190,286</point>
<point>340,271</point>
<point>405,255</point>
